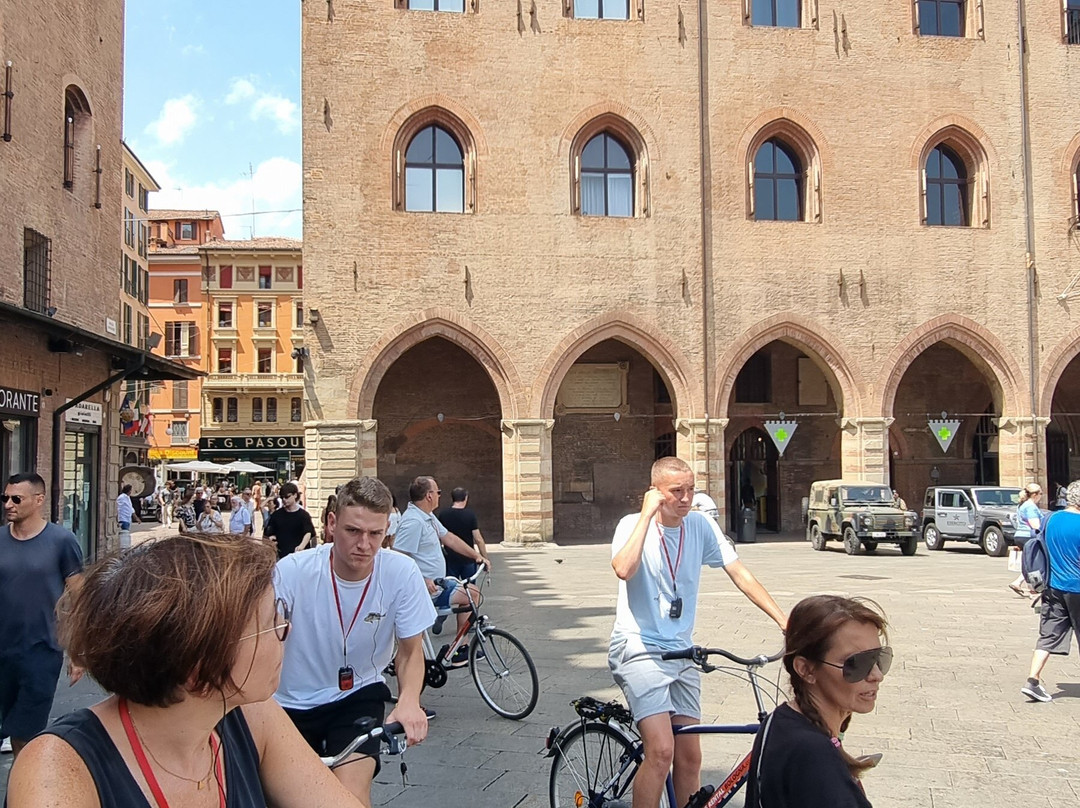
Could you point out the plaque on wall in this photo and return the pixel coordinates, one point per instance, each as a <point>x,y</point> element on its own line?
<point>594,388</point>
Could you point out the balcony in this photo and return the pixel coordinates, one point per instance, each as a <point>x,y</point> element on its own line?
<point>250,382</point>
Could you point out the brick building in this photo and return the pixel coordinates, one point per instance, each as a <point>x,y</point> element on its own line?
<point>61,365</point>
<point>548,248</point>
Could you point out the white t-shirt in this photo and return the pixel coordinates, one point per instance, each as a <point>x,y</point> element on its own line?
<point>397,604</point>
<point>643,615</point>
<point>239,519</point>
<point>418,536</point>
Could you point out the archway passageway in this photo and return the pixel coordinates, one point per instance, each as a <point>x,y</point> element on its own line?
<point>1062,460</point>
<point>438,414</point>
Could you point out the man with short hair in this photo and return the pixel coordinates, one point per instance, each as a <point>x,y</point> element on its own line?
<point>39,561</point>
<point>460,520</point>
<point>239,517</point>
<point>1060,616</point>
<point>290,526</point>
<point>167,500</point>
<point>657,555</point>
<point>349,602</point>
<point>422,536</point>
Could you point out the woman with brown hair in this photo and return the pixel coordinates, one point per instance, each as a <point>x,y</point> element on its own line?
<point>836,660</point>
<point>186,634</point>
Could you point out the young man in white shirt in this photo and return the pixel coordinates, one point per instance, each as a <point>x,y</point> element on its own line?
<point>349,601</point>
<point>658,555</point>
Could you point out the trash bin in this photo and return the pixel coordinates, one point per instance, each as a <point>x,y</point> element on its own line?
<point>747,528</point>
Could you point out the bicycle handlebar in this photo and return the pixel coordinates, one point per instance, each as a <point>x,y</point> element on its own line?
<point>387,733</point>
<point>700,656</point>
<point>480,567</point>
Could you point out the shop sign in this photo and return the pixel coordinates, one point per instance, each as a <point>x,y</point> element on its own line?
<point>85,413</point>
<point>253,443</point>
<point>169,453</point>
<point>19,402</point>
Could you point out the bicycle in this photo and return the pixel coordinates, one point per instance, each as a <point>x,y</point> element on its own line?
<point>595,760</point>
<point>501,668</point>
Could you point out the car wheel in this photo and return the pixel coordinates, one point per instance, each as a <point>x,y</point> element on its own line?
<point>932,537</point>
<point>909,546</point>
<point>817,538</point>
<point>851,541</point>
<point>870,546</point>
<point>993,542</point>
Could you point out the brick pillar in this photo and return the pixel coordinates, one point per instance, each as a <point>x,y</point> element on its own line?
<point>1022,450</point>
<point>527,481</point>
<point>864,449</point>
<point>701,444</point>
<point>336,452</point>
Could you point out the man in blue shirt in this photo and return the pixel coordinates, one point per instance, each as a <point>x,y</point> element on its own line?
<point>1061,599</point>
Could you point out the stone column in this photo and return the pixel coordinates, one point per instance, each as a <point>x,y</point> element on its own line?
<point>864,449</point>
<point>701,444</point>
<point>334,453</point>
<point>528,510</point>
<point>1022,450</point>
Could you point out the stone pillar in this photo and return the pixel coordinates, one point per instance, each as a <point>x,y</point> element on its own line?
<point>334,453</point>
<point>701,444</point>
<point>864,449</point>
<point>528,509</point>
<point>1022,450</point>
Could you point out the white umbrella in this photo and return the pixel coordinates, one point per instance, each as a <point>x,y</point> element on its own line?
<point>198,466</point>
<point>242,466</point>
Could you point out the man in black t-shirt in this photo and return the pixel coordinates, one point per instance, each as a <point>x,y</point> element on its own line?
<point>460,520</point>
<point>290,526</point>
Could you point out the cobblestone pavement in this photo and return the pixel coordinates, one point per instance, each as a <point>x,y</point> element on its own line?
<point>951,722</point>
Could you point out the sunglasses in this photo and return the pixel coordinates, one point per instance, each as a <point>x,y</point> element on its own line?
<point>16,498</point>
<point>282,623</point>
<point>858,666</point>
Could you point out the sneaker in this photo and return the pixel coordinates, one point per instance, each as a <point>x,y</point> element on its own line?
<point>5,745</point>
<point>460,658</point>
<point>429,712</point>
<point>1036,691</point>
<point>437,628</point>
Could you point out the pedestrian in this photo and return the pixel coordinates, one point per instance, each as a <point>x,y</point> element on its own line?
<point>460,520</point>
<point>249,503</point>
<point>240,517</point>
<point>836,655</point>
<point>125,512</point>
<point>186,518</point>
<point>331,506</point>
<point>167,501</point>
<point>1060,615</point>
<point>657,555</point>
<point>289,526</point>
<point>39,561</point>
<point>1028,523</point>
<point>351,591</point>
<point>395,520</point>
<point>210,519</point>
<point>201,495</point>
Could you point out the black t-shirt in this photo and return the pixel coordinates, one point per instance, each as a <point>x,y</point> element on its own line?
<point>288,529</point>
<point>461,522</point>
<point>800,768</point>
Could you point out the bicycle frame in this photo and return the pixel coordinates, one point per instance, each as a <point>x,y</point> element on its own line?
<point>475,620</point>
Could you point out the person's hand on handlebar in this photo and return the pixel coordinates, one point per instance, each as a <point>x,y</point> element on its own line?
<point>483,561</point>
<point>414,720</point>
<point>432,587</point>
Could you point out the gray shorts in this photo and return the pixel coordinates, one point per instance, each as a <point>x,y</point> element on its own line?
<point>1059,620</point>
<point>653,686</point>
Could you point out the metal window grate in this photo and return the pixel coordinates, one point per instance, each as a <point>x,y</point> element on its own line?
<point>1072,26</point>
<point>37,262</point>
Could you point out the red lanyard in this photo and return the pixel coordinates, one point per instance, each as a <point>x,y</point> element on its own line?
<point>678,556</point>
<point>337,600</point>
<point>144,764</point>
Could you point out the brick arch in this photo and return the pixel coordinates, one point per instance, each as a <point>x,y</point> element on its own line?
<point>1059,358</point>
<point>435,101</point>
<point>794,330</point>
<point>954,130</point>
<point>977,343</point>
<point>437,322</point>
<point>664,355</point>
<point>611,112</point>
<point>74,82</point>
<point>789,124</point>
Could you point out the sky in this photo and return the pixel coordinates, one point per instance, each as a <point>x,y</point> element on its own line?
<point>212,108</point>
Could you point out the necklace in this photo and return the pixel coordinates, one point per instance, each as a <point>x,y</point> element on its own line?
<point>201,783</point>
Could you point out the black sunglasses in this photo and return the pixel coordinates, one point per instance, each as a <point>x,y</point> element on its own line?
<point>16,498</point>
<point>858,666</point>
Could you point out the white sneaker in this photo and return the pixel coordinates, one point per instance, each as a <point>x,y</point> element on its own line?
<point>5,745</point>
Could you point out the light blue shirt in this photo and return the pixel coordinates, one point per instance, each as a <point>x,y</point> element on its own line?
<point>1026,514</point>
<point>418,536</point>
<point>240,519</point>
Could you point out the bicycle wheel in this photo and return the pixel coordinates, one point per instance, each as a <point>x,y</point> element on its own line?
<point>504,673</point>
<point>594,767</point>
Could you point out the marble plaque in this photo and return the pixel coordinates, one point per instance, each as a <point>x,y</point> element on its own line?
<point>594,388</point>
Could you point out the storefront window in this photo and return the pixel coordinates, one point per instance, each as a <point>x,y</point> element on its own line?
<point>17,444</point>
<point>79,504</point>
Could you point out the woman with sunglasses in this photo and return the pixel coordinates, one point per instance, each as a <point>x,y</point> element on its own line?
<point>836,660</point>
<point>185,632</point>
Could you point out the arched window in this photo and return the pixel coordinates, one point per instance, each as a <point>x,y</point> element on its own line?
<point>778,183</point>
<point>941,17</point>
<point>776,13</point>
<point>948,192</point>
<point>434,172</point>
<point>77,134</point>
<point>607,178</point>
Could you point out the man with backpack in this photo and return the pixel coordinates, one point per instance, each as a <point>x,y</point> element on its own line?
<point>1061,598</point>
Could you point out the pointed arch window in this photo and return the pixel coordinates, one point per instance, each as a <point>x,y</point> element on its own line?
<point>948,191</point>
<point>607,177</point>
<point>434,172</point>
<point>778,183</point>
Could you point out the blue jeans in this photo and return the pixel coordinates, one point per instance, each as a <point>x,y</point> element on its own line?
<point>125,525</point>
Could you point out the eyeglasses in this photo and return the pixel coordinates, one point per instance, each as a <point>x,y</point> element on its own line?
<point>858,666</point>
<point>282,623</point>
<point>15,498</point>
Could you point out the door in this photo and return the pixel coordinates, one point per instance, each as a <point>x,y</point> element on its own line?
<point>79,504</point>
<point>754,479</point>
<point>955,513</point>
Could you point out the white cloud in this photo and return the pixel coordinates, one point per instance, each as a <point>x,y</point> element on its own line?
<point>240,90</point>
<point>192,50</point>
<point>178,116</point>
<point>278,109</point>
<point>274,191</point>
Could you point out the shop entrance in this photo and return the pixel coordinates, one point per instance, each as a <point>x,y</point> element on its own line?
<point>79,504</point>
<point>752,470</point>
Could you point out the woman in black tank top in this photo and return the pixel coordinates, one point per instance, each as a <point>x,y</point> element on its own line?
<point>187,635</point>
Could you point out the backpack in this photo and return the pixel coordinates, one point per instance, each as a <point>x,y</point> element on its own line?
<point>1035,560</point>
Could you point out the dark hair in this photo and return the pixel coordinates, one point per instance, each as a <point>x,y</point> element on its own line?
<point>459,495</point>
<point>28,477</point>
<point>166,615</point>
<point>810,630</point>
<point>420,487</point>
<point>289,488</point>
<point>331,507</point>
<point>366,492</point>
<point>126,489</point>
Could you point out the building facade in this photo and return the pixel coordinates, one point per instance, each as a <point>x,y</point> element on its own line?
<point>684,229</point>
<point>61,365</point>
